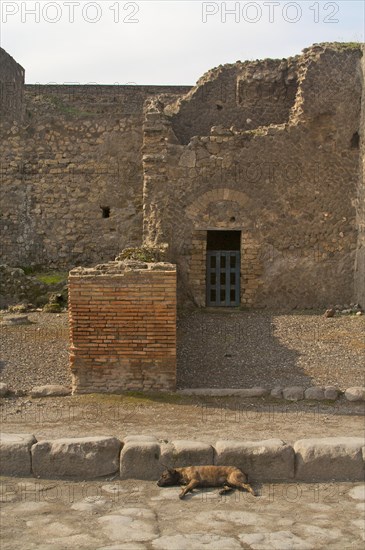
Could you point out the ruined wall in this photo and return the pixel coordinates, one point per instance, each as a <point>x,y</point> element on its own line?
<point>243,95</point>
<point>360,254</point>
<point>123,327</point>
<point>11,87</point>
<point>76,155</point>
<point>275,155</point>
<point>289,188</point>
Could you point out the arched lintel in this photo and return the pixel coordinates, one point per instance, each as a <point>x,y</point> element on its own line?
<point>222,194</point>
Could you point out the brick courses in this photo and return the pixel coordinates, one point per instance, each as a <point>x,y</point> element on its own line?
<point>123,329</point>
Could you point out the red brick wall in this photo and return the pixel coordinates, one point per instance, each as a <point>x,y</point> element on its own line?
<point>123,331</point>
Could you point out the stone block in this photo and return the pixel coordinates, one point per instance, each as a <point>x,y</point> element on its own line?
<point>180,453</point>
<point>223,392</point>
<point>50,390</point>
<point>143,438</point>
<point>266,460</point>
<point>15,457</point>
<point>331,393</point>
<point>314,392</point>
<point>293,393</point>
<point>188,159</point>
<point>277,393</point>
<point>356,393</point>
<point>83,457</point>
<point>257,391</point>
<point>329,459</point>
<point>140,458</point>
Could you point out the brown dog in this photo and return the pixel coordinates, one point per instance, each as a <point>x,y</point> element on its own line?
<point>227,477</point>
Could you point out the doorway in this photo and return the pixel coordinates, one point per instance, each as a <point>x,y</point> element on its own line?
<point>223,268</point>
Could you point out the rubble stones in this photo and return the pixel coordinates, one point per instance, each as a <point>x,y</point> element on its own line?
<point>50,390</point>
<point>293,393</point>
<point>314,392</point>
<point>277,393</point>
<point>16,286</point>
<point>331,393</point>
<point>290,393</point>
<point>15,320</point>
<point>356,393</point>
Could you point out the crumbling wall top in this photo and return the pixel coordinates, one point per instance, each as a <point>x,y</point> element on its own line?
<point>118,268</point>
<point>252,94</point>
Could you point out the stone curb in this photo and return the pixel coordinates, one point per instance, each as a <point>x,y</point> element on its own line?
<point>145,457</point>
<point>289,393</point>
<point>79,457</point>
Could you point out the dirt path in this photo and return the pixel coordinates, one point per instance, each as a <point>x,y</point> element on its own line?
<point>176,417</point>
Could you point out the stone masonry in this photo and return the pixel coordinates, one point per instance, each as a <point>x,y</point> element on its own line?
<point>11,87</point>
<point>272,149</point>
<point>280,165</point>
<point>123,327</point>
<point>71,173</point>
<point>360,205</point>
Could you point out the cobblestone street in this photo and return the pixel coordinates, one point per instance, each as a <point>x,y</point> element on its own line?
<point>136,515</point>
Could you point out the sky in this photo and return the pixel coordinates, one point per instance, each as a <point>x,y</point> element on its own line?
<point>166,41</point>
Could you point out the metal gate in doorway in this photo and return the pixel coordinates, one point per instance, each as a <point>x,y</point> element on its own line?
<point>223,278</point>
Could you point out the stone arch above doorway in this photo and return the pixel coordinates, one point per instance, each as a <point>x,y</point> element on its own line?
<point>201,205</point>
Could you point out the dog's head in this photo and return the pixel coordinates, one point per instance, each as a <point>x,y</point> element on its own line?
<point>168,477</point>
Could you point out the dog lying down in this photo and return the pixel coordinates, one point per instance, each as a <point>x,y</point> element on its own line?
<point>227,477</point>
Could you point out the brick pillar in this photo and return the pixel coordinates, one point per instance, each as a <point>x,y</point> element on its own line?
<point>123,329</point>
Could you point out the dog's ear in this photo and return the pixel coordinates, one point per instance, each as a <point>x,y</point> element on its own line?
<point>170,470</point>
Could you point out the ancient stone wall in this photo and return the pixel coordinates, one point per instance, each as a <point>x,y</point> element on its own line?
<point>360,253</point>
<point>11,87</point>
<point>269,148</point>
<point>289,188</point>
<point>123,327</point>
<point>71,174</point>
<point>245,95</point>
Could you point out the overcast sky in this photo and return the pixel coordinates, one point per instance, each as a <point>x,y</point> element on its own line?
<point>164,42</point>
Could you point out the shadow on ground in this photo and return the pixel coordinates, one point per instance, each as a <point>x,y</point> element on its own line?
<point>235,349</point>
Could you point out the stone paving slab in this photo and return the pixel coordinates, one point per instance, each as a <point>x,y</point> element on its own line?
<point>45,514</point>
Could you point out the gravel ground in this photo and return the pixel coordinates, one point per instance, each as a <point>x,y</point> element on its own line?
<point>242,349</point>
<point>37,353</point>
<point>217,350</point>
